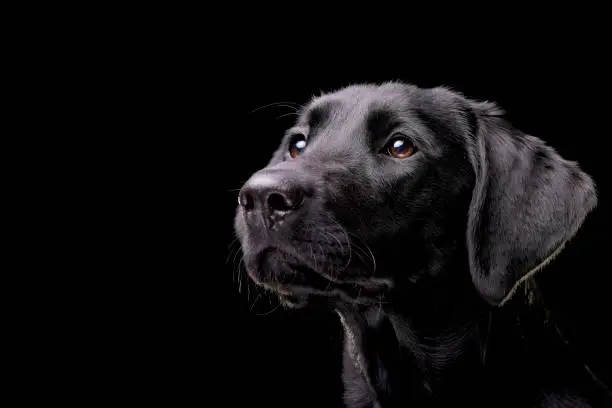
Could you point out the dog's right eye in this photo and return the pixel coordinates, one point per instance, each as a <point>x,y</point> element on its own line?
<point>297,145</point>
<point>400,147</point>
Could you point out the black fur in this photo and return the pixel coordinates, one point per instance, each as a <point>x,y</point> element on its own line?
<point>417,255</point>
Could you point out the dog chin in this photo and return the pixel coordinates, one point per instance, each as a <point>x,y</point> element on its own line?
<point>286,296</point>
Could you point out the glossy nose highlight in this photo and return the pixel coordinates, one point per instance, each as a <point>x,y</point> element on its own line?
<point>271,193</point>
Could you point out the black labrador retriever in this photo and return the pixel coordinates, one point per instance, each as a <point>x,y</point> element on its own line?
<point>415,214</point>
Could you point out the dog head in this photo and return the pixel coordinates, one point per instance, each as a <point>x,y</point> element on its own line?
<point>377,188</point>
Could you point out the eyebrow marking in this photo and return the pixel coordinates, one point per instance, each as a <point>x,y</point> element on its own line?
<point>320,113</point>
<point>380,122</point>
<point>315,116</point>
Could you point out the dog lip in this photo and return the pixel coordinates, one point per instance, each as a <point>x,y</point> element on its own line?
<point>294,302</point>
<point>316,281</point>
<point>252,276</point>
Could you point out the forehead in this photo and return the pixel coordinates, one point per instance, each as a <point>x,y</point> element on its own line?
<point>359,101</point>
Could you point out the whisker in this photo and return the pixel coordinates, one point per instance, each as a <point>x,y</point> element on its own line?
<point>287,114</point>
<point>367,247</point>
<point>237,277</point>
<point>313,256</point>
<point>238,252</point>
<point>234,190</point>
<point>254,301</point>
<point>233,251</point>
<point>285,104</point>
<point>358,297</point>
<point>348,241</point>
<point>232,242</point>
<point>360,252</point>
<point>248,285</point>
<point>336,239</point>
<point>236,274</point>
<point>269,312</point>
<point>330,273</point>
<point>231,254</point>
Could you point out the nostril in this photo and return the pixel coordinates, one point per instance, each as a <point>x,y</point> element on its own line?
<point>246,201</point>
<point>278,202</point>
<point>283,201</point>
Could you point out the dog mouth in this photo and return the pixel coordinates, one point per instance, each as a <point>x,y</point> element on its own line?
<point>297,284</point>
<point>292,301</point>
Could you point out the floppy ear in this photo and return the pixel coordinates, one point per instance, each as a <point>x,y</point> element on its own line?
<point>527,202</point>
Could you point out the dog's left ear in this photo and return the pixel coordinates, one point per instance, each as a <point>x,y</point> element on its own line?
<point>527,203</point>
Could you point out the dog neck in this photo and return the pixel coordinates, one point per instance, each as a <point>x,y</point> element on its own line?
<point>433,347</point>
<point>425,341</point>
<point>442,354</point>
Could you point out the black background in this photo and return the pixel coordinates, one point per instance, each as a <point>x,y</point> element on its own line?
<point>181,330</point>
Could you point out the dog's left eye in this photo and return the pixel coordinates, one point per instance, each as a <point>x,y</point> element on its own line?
<point>400,147</point>
<point>297,145</point>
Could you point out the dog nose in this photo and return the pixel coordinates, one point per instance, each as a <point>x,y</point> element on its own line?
<point>272,194</point>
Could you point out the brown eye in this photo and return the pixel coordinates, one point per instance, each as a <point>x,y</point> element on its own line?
<point>297,145</point>
<point>400,147</point>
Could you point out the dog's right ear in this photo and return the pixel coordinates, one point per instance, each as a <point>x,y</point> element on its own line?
<point>526,204</point>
